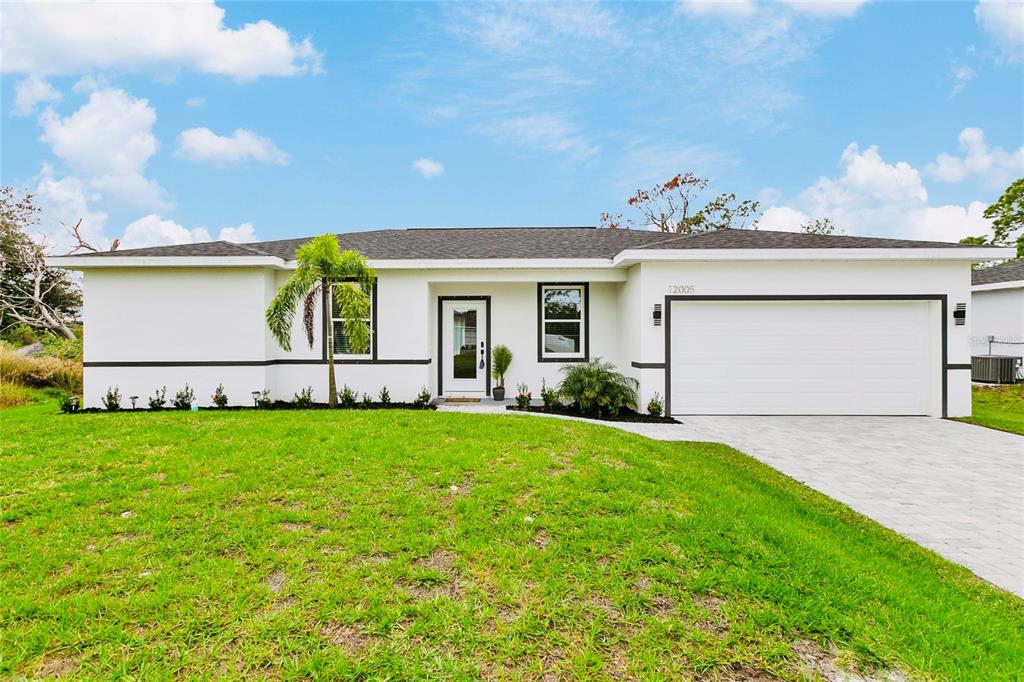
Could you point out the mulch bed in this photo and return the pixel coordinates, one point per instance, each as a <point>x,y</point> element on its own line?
<point>276,405</point>
<point>625,415</point>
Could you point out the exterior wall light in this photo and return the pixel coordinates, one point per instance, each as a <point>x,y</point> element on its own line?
<point>256,398</point>
<point>657,314</point>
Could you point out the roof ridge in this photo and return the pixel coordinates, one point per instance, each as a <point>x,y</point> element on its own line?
<point>247,247</point>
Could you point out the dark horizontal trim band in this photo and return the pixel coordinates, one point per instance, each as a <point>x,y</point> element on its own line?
<point>251,363</point>
<point>963,365</point>
<point>648,365</point>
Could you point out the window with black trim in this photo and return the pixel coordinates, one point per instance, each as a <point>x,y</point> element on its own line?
<point>342,347</point>
<point>563,325</point>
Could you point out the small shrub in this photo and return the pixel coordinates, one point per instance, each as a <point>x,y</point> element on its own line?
<point>20,335</point>
<point>422,398</point>
<point>595,388</point>
<point>501,360</point>
<point>158,399</point>
<point>264,399</point>
<point>12,395</point>
<point>385,397</point>
<point>219,397</point>
<point>68,403</point>
<point>61,348</point>
<point>548,395</point>
<point>304,398</point>
<point>112,399</point>
<point>656,406</point>
<point>367,400</point>
<point>523,395</point>
<point>347,397</point>
<point>184,398</point>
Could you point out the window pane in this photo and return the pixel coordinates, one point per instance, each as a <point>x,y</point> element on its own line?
<point>464,363</point>
<point>563,304</point>
<point>561,337</point>
<point>341,344</point>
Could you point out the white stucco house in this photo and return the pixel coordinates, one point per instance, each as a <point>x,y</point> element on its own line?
<point>727,322</point>
<point>997,297</point>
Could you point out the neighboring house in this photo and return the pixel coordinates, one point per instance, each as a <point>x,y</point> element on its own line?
<point>997,299</point>
<point>725,322</point>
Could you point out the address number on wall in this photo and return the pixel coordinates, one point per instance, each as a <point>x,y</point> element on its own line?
<point>680,289</point>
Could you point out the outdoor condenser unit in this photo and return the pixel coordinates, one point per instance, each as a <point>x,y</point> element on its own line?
<point>995,369</point>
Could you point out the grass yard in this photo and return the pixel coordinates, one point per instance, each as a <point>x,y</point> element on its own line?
<point>421,545</point>
<point>999,407</point>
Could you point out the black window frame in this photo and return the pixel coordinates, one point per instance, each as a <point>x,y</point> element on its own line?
<point>584,326</point>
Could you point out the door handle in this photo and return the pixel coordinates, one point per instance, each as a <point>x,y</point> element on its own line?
<point>481,355</point>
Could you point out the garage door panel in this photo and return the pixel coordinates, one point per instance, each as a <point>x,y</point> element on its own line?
<point>801,357</point>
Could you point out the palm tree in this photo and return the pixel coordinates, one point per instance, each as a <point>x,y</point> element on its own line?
<point>324,270</point>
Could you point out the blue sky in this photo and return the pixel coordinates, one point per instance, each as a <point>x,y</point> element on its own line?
<point>161,124</point>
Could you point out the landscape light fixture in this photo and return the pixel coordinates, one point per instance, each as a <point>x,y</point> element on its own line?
<point>133,398</point>
<point>73,402</point>
<point>256,398</point>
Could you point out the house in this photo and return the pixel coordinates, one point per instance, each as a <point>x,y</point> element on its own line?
<point>997,297</point>
<point>725,322</point>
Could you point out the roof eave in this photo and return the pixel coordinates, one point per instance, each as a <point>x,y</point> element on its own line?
<point>630,257</point>
<point>107,262</point>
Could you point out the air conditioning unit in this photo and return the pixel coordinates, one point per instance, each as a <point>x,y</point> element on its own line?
<point>995,369</point>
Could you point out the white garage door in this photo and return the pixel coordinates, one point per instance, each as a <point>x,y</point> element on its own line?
<point>803,357</point>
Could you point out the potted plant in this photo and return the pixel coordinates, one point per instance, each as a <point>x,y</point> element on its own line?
<point>501,360</point>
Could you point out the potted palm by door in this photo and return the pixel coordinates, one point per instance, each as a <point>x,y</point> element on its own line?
<point>343,278</point>
<point>501,360</point>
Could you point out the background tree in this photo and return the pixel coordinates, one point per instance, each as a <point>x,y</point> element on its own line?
<point>820,226</point>
<point>1007,216</point>
<point>341,278</point>
<point>31,293</point>
<point>671,207</point>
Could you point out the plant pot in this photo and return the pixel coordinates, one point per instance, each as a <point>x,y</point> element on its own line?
<point>498,392</point>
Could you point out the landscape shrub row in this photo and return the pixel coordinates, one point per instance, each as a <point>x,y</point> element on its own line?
<point>183,399</point>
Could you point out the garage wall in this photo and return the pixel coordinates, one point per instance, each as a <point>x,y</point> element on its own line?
<point>806,278</point>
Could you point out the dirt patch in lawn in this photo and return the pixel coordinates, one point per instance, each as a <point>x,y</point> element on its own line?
<point>814,661</point>
<point>350,638</point>
<point>55,666</point>
<point>276,581</point>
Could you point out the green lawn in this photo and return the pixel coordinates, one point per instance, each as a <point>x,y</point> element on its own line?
<point>999,407</point>
<point>422,545</point>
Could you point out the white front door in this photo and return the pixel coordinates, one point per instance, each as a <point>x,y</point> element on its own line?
<point>463,351</point>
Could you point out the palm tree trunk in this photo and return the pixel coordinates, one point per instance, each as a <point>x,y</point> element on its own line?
<point>332,385</point>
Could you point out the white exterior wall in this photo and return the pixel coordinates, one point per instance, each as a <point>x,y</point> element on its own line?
<point>951,278</point>
<point>210,315</point>
<point>998,313</point>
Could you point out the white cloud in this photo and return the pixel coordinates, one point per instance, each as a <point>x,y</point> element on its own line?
<point>525,27</point>
<point>194,102</point>
<point>546,132</point>
<point>727,8</point>
<point>826,8</point>
<point>996,167</point>
<point>91,83</point>
<point>243,234</point>
<point>70,38</point>
<point>962,75</point>
<point>876,198</point>
<point>1003,20</point>
<point>202,144</point>
<point>31,91</point>
<point>109,141</point>
<point>152,230</point>
<point>66,200</point>
<point>428,168</point>
<point>782,218</point>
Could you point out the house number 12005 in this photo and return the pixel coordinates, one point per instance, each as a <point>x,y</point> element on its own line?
<point>680,288</point>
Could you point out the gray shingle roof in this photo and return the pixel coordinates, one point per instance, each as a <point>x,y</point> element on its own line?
<point>527,242</point>
<point>1006,272</point>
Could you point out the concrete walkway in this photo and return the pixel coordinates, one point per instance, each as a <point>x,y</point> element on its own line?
<point>954,488</point>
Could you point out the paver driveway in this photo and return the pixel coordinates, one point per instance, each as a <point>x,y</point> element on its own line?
<point>954,488</point>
